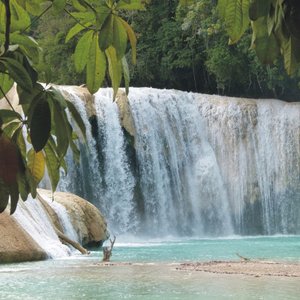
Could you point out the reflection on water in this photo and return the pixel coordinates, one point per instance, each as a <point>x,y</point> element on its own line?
<point>155,276</point>
<point>91,280</point>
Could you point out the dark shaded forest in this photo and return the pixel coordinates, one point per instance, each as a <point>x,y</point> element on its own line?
<point>182,48</point>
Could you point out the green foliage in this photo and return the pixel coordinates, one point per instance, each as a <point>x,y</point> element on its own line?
<point>275,25</point>
<point>186,47</point>
<point>98,36</point>
<point>105,39</point>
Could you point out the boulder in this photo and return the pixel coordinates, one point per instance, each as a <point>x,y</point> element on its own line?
<point>125,113</point>
<point>16,245</point>
<point>83,93</point>
<point>86,219</point>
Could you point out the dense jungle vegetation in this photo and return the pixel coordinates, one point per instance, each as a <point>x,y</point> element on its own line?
<point>180,47</point>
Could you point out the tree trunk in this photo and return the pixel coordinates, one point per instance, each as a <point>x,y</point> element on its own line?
<point>65,239</point>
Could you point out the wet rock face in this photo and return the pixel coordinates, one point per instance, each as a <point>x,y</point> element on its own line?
<point>16,245</point>
<point>125,113</point>
<point>86,219</point>
<point>19,243</point>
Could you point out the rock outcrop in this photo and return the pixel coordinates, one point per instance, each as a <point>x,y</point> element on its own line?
<point>86,219</point>
<point>16,245</point>
<point>36,230</point>
<point>125,113</point>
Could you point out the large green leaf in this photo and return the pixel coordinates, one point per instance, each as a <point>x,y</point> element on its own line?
<point>79,5</point>
<point>77,118</point>
<point>132,39</point>
<point>76,29</point>
<point>27,44</point>
<point>6,84</point>
<point>23,186</point>
<point>11,128</point>
<point>9,115</point>
<point>235,14</point>
<point>20,19</point>
<point>102,13</point>
<point>75,150</point>
<point>114,68</point>
<point>82,50</point>
<point>265,45</point>
<point>28,97</point>
<point>60,127</point>
<point>106,33</point>
<point>40,125</point>
<point>34,7</point>
<point>18,138</point>
<point>126,74</point>
<point>291,55</point>
<point>119,37</point>
<point>259,9</point>
<point>36,165</point>
<point>57,96</point>
<point>17,72</point>
<point>96,66</point>
<point>52,163</point>
<point>84,17</point>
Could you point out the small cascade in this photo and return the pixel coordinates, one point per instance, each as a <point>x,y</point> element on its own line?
<point>34,220</point>
<point>64,220</point>
<point>117,180</point>
<point>89,169</point>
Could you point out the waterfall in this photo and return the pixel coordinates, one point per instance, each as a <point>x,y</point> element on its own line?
<point>257,144</point>
<point>34,220</point>
<point>89,168</point>
<point>118,183</point>
<point>103,175</point>
<point>200,165</point>
<point>182,188</point>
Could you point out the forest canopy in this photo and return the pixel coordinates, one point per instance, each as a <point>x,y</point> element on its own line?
<point>183,45</point>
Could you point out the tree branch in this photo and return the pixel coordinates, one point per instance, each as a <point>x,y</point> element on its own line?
<point>37,18</point>
<point>77,21</point>
<point>7,24</point>
<point>1,90</point>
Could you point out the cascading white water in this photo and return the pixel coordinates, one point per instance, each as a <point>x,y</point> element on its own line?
<point>34,220</point>
<point>64,219</point>
<point>180,180</point>
<point>118,183</point>
<point>103,175</point>
<point>257,143</point>
<point>202,165</point>
<point>89,168</point>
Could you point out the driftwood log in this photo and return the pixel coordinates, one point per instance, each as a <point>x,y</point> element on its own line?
<point>107,251</point>
<point>65,239</point>
<point>242,257</point>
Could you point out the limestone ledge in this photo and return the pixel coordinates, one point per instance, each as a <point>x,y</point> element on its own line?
<point>16,244</point>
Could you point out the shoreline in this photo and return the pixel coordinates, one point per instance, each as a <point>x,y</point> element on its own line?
<point>253,268</point>
<point>256,268</point>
